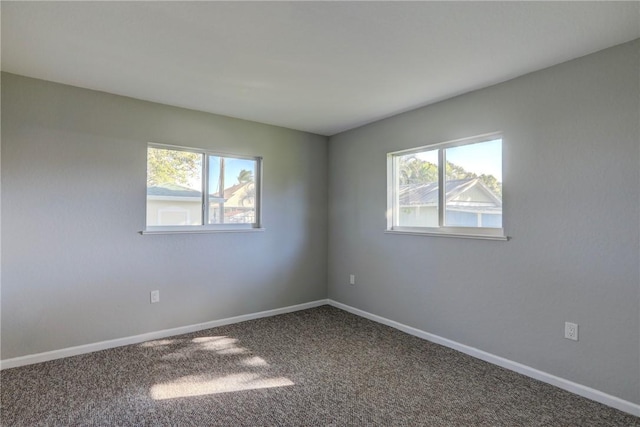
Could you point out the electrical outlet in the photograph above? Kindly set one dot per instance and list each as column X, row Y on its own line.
column 155, row 297
column 352, row 279
column 571, row 331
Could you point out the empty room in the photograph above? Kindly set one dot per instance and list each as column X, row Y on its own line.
column 320, row 213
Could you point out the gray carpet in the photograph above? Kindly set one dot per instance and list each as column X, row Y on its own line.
column 318, row 367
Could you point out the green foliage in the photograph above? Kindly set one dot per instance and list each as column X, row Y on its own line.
column 492, row 184
column 245, row 176
column 457, row 172
column 415, row 171
column 172, row 166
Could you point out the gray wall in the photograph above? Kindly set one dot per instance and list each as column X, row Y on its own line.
column 74, row 268
column 571, row 173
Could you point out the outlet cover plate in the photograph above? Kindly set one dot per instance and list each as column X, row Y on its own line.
column 571, row 331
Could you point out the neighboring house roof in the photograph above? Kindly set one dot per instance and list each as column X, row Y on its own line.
column 172, row 190
column 418, row 194
column 230, row 191
column 240, row 195
column 427, row 194
column 237, row 195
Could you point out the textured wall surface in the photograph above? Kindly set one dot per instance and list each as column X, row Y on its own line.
column 75, row 269
column 571, row 207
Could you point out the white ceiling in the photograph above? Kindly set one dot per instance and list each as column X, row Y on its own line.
column 321, row 67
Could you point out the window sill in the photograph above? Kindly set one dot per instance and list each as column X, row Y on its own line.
column 203, row 231
column 454, row 235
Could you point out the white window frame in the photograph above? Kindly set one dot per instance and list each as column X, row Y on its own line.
column 205, row 227
column 393, row 205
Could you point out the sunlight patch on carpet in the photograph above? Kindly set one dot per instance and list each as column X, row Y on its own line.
column 199, row 385
column 254, row 361
column 157, row 343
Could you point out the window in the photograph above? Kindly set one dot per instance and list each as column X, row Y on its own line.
column 453, row 188
column 191, row 190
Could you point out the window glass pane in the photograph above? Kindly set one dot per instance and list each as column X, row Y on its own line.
column 474, row 185
column 417, row 196
column 174, row 187
column 232, row 190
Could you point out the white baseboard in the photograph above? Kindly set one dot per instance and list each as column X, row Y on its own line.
column 579, row 389
column 136, row 339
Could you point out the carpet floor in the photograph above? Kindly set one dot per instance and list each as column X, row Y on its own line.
column 317, row 367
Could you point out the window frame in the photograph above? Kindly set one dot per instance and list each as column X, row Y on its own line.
column 205, row 227
column 393, row 180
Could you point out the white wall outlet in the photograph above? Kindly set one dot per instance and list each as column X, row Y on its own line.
column 571, row 331
column 352, row 279
column 155, row 297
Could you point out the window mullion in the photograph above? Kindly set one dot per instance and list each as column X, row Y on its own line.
column 205, row 190
column 395, row 194
column 442, row 196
